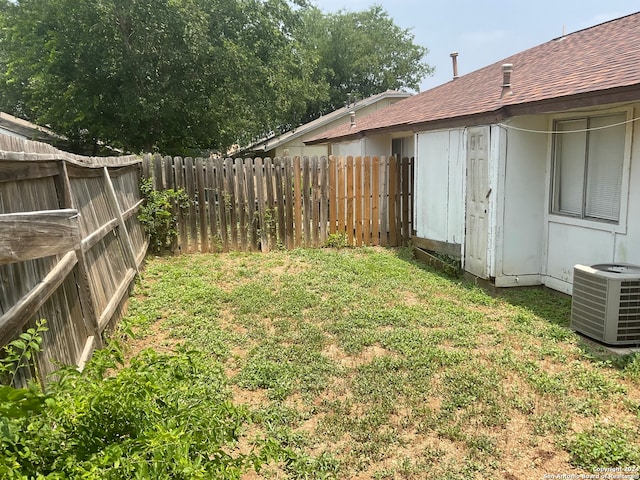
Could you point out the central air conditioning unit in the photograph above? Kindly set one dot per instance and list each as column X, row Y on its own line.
column 606, row 303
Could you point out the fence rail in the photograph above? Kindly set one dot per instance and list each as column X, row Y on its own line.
column 261, row 204
column 70, row 246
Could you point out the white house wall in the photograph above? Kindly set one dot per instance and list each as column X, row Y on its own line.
column 377, row 145
column 573, row 241
column 439, row 179
column 520, row 207
column 373, row 146
column 627, row 247
column 346, row 149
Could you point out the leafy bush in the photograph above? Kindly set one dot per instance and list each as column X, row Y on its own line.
column 163, row 416
column 337, row 240
column 158, row 217
column 604, row 446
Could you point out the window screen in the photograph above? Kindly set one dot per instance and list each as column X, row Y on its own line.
column 587, row 173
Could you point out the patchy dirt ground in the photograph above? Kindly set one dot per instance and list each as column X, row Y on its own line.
column 383, row 368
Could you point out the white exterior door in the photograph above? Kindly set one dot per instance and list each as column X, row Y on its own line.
column 477, row 202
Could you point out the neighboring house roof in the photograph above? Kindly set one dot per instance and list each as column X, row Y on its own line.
column 21, row 128
column 270, row 143
column 594, row 66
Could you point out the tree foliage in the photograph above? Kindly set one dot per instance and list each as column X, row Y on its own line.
column 362, row 54
column 171, row 75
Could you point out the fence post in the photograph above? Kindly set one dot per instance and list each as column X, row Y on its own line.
column 113, row 199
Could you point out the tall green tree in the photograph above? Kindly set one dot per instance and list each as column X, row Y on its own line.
column 155, row 74
column 363, row 53
column 173, row 75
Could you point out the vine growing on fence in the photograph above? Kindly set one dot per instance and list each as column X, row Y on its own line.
column 158, row 215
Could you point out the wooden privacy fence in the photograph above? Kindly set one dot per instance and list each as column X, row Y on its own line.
column 261, row 204
column 70, row 246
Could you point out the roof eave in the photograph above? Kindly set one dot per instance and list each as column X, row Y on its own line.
column 569, row 102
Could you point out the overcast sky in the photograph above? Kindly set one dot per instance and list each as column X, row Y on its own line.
column 486, row 31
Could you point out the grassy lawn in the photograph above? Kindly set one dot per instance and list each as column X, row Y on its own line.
column 374, row 366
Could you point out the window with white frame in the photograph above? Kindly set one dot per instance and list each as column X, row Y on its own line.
column 588, row 164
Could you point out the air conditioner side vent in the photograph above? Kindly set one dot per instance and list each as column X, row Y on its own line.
column 629, row 311
column 606, row 303
column 588, row 307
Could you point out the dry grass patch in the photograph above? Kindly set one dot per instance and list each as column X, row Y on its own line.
column 370, row 365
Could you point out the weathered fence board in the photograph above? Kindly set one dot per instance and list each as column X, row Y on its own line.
column 38, row 234
column 262, row 204
column 71, row 245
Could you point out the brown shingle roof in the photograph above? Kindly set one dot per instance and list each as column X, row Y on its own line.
column 591, row 61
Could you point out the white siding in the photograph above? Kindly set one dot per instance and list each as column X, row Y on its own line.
column 627, row 247
column 377, row 145
column 346, row 149
column 522, row 191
